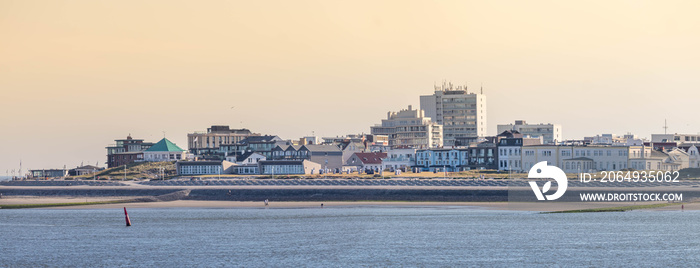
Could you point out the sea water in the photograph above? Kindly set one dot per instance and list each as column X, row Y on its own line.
column 376, row 236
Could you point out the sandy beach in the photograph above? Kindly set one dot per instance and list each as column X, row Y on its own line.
column 516, row 206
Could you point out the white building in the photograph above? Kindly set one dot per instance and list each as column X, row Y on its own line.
column 646, row 158
column 365, row 161
column 403, row 158
column 288, row 167
column 550, row 133
column 309, row 140
column 460, row 113
column 576, row 159
column 677, row 138
column 510, row 152
column 246, row 163
column 410, row 129
column 612, row 139
column 185, row 168
column 248, row 158
column 693, row 151
column 164, row 150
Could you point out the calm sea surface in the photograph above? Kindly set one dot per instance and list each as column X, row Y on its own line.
column 346, row 236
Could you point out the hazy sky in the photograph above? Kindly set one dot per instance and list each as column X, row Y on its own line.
column 75, row 75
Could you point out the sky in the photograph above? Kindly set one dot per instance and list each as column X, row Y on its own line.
column 76, row 75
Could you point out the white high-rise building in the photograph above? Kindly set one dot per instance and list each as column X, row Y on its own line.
column 461, row 114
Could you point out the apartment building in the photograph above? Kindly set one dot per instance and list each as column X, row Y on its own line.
column 410, row 128
column 461, row 114
column 126, row 151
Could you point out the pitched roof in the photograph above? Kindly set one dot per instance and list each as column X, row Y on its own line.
column 165, row 145
column 322, row 148
column 658, row 154
column 371, row 158
column 344, row 144
column 282, row 147
column 243, row 157
column 90, row 167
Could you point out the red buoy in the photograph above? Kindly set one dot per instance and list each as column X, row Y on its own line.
column 128, row 222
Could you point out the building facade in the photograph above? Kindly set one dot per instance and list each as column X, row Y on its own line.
column 84, row 170
column 612, row 139
column 126, row 151
column 288, row 167
column 410, row 128
column 510, row 151
column 647, row 158
column 460, row 113
column 550, row 133
column 577, row 158
column 365, row 161
column 677, row 138
column 693, row 151
column 206, row 144
column 259, row 144
column 483, row 155
column 187, row 168
column 330, row 157
column 48, row 173
column 443, row 159
column 400, row 158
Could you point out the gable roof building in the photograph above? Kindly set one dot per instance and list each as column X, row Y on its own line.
column 363, row 159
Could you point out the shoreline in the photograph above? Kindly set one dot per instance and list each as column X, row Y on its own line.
column 506, row 206
column 308, row 196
